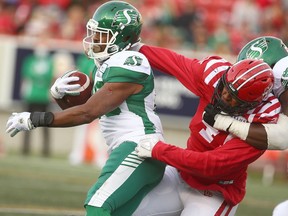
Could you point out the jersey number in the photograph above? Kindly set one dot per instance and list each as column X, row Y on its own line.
column 208, row 133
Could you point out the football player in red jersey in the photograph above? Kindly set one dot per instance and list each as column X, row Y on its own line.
column 210, row 174
column 273, row 51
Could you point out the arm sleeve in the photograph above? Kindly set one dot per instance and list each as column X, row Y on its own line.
column 182, row 68
column 232, row 156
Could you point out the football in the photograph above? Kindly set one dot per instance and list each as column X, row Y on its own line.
column 84, row 91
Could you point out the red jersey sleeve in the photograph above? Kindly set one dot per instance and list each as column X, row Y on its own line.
column 174, row 64
column 194, row 74
column 223, row 162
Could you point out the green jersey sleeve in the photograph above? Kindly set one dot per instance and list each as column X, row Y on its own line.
column 117, row 74
column 131, row 67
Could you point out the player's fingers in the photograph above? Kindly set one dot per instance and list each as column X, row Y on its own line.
column 73, row 93
column 8, row 123
column 70, row 79
column 9, row 129
column 14, row 132
column 72, row 87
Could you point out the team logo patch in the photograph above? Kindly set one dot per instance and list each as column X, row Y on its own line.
column 284, row 78
column 133, row 61
column 257, row 49
column 125, row 17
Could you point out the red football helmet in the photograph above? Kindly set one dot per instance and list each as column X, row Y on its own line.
column 248, row 81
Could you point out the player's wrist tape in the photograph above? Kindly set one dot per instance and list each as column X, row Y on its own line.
column 231, row 125
column 39, row 119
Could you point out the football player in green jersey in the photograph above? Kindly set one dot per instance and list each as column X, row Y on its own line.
column 123, row 99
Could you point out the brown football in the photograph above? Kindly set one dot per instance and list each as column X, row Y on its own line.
column 85, row 90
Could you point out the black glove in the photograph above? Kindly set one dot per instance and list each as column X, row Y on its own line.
column 209, row 114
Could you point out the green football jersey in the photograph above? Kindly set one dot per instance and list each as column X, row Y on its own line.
column 136, row 116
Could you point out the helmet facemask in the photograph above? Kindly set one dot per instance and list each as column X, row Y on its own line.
column 242, row 106
column 99, row 42
column 114, row 27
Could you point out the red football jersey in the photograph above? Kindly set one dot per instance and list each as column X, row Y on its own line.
column 213, row 160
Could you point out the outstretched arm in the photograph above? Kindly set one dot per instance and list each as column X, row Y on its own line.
column 109, row 97
column 234, row 155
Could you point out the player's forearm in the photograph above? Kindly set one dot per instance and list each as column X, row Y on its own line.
column 189, row 161
column 257, row 136
column 210, row 164
column 174, row 156
column 72, row 117
column 254, row 134
column 260, row 136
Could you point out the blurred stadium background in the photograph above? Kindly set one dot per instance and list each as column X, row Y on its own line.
column 54, row 185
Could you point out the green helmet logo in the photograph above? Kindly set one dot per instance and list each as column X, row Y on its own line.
column 257, row 49
column 284, row 78
column 268, row 48
column 124, row 18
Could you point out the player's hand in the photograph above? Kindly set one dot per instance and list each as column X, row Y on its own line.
column 61, row 87
column 19, row 122
column 217, row 119
column 145, row 146
column 210, row 114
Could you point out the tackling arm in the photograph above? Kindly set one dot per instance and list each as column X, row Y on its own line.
column 277, row 134
column 218, row 163
column 261, row 136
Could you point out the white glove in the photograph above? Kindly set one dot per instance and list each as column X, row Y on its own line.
column 61, row 87
column 19, row 122
column 145, row 147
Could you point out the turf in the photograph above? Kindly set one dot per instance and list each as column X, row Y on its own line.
column 37, row 186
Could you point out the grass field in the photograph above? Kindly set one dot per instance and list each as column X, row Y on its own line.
column 36, row 186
